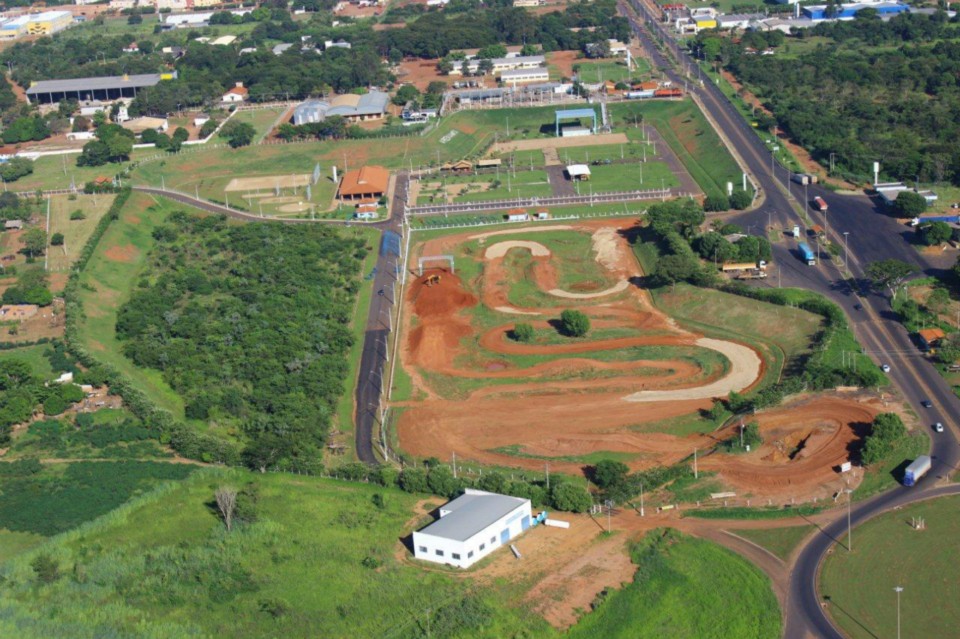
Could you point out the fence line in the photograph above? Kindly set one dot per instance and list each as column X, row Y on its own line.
column 553, row 200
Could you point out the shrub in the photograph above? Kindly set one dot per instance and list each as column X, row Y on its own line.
column 608, row 473
column 46, row 568
column 54, row 405
column 570, row 497
column 522, row 332
column 740, row 199
column 77, row 215
column 574, row 323
column 56, row 239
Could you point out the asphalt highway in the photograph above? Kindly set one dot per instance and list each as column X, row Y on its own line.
column 868, row 235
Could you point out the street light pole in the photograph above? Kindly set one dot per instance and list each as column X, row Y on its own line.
column 845, row 234
column 898, row 590
column 849, row 529
column 641, row 500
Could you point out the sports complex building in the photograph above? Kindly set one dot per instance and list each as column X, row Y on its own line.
column 105, row 88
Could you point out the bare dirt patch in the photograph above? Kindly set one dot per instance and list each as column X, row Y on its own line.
column 268, row 182
column 121, row 253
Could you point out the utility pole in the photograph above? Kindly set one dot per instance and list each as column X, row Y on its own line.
column 845, row 234
column 454, row 464
column 696, row 475
column 849, row 528
column 641, row 500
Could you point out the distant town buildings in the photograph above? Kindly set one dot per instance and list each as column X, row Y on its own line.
column 34, row 24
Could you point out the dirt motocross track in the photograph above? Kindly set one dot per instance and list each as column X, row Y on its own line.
column 574, row 403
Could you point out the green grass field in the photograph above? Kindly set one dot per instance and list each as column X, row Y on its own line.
column 628, row 177
column 34, row 356
column 782, row 333
column 686, row 587
column 261, row 119
column 75, row 232
column 322, row 557
column 596, row 72
column 106, row 284
column 779, row 541
column 57, row 172
column 888, row 552
column 632, row 150
column 489, row 186
column 689, row 135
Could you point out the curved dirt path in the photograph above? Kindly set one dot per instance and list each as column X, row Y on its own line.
column 745, row 369
column 622, row 285
column 498, row 250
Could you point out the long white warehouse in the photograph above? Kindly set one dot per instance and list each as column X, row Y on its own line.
column 471, row 527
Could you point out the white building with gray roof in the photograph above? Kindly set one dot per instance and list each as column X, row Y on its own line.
column 471, row 527
column 355, row 108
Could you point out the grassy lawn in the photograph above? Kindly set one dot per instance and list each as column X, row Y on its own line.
column 596, row 72
column 57, row 172
column 888, row 552
column 106, row 284
column 889, row 473
column 321, row 554
column 261, row 119
column 779, row 541
column 358, row 325
column 633, row 149
column 781, row 332
column 686, row 587
column 33, row 355
column 75, row 232
column 14, row 543
column 682, row 425
column 517, row 450
column 689, row 135
column 520, row 184
column 629, row 177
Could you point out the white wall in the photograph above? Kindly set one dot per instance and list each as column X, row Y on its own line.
column 489, row 538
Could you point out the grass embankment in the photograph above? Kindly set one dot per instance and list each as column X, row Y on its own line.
column 888, row 552
column 33, row 355
column 690, row 137
column 686, row 587
column 779, row 541
column 75, row 232
column 261, row 119
column 106, row 284
column 57, row 171
column 780, row 333
column 322, row 556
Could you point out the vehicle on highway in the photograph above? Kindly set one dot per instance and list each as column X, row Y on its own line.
column 820, row 203
column 858, row 307
column 926, row 403
column 885, row 368
column 938, row 427
column 808, row 255
column 917, row 469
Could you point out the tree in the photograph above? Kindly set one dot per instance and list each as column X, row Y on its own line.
column 16, row 168
column 569, row 497
column 208, row 128
column 54, row 405
column 485, row 66
column 887, row 429
column 574, row 323
column 608, row 473
column 406, row 93
column 226, row 498
column 675, row 268
column 237, row 133
column 936, row 233
column 34, row 241
column 890, row 274
column 909, row 204
column 56, row 239
column 95, row 153
column 522, row 332
column 413, row 480
column 46, row 568
column 440, row 480
column 120, row 147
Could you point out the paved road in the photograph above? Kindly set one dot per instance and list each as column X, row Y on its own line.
column 871, row 236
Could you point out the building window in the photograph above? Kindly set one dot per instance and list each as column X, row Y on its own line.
column 482, row 546
column 423, row 549
column 456, row 555
column 469, row 554
column 493, row 540
column 439, row 553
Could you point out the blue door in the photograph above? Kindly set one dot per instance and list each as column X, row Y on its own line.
column 525, row 522
column 504, row 535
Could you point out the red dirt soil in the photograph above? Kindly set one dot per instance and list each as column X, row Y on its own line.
column 554, row 410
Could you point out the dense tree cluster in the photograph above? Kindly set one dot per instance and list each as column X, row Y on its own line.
column 886, row 431
column 113, row 144
column 468, row 25
column 899, row 105
column 249, row 324
column 21, row 391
